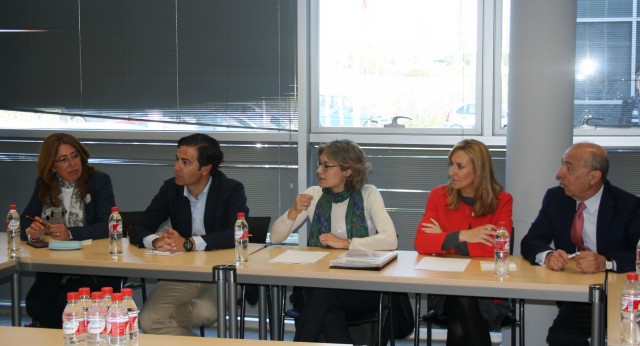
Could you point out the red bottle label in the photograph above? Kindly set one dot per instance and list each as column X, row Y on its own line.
column 630, row 305
column 118, row 328
column 74, row 327
column 501, row 245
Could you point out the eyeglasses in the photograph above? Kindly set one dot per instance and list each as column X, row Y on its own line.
column 324, row 165
column 66, row 160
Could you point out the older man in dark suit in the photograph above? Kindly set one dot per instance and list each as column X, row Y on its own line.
column 587, row 216
column 202, row 204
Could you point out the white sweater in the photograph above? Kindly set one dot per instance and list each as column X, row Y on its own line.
column 382, row 233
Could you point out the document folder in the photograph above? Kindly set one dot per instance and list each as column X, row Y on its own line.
column 360, row 259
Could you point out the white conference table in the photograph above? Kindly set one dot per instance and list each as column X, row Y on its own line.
column 9, row 267
column 53, row 337
column 527, row 282
column 94, row 259
column 614, row 302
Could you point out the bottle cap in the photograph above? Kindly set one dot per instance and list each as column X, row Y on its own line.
column 632, row 276
column 12, row 207
column 115, row 209
column 84, row 291
column 126, row 292
column 73, row 295
column 240, row 215
column 96, row 295
column 116, row 297
column 107, row 290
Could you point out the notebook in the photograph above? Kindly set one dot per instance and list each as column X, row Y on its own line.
column 360, row 259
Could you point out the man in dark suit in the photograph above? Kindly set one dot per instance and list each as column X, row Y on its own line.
column 609, row 228
column 202, row 205
column 630, row 105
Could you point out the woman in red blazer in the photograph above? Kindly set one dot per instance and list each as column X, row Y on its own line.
column 461, row 219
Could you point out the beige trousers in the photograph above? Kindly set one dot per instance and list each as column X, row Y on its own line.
column 177, row 307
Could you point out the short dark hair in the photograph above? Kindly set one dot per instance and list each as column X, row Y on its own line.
column 209, row 152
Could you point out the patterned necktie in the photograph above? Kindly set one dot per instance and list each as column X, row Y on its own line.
column 577, row 226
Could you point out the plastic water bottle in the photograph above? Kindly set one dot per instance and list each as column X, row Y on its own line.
column 242, row 239
column 107, row 292
column 73, row 323
column 132, row 310
column 84, row 300
column 13, row 232
column 117, row 322
column 501, row 251
column 638, row 257
column 630, row 316
column 96, row 321
column 115, row 232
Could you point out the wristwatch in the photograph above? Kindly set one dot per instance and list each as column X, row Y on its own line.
column 188, row 244
column 608, row 265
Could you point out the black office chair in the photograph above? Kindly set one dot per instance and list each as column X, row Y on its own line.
column 515, row 319
column 431, row 318
column 382, row 318
column 129, row 218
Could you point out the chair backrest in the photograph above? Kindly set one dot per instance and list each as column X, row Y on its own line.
column 129, row 218
column 258, row 228
column 511, row 240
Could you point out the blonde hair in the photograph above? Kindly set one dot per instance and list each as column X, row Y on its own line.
column 348, row 155
column 485, row 185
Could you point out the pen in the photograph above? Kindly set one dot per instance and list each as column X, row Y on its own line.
column 36, row 220
column 261, row 247
column 574, row 254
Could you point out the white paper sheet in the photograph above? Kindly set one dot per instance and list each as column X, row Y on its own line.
column 299, row 257
column 443, row 264
column 491, row 266
column 165, row 253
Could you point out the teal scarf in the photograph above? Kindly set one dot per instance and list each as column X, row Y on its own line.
column 356, row 221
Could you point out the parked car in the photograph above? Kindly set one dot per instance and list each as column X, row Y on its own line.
column 465, row 117
column 341, row 111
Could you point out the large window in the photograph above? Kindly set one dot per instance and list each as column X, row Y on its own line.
column 606, row 62
column 149, row 64
column 415, row 61
column 375, row 66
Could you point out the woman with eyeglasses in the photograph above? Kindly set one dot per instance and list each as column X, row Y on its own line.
column 460, row 219
column 71, row 201
column 345, row 213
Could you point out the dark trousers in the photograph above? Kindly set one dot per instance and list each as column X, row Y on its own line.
column 572, row 326
column 47, row 297
column 326, row 311
column 466, row 325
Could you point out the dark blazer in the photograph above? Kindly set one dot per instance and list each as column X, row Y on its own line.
column 617, row 229
column 98, row 202
column 626, row 110
column 225, row 199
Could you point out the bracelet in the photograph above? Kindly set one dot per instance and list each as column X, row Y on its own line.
column 28, row 235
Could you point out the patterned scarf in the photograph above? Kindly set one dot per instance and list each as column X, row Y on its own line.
column 356, row 221
column 56, row 215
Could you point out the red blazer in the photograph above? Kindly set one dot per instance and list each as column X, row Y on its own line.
column 461, row 218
